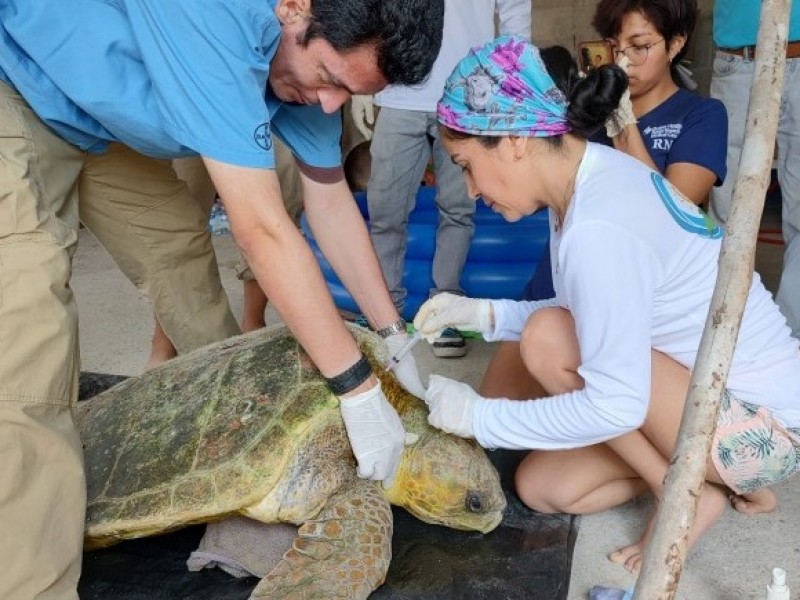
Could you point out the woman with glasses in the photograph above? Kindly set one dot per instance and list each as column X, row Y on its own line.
column 678, row 133
column 634, row 268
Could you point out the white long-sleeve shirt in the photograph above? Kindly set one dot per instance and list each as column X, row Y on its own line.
column 635, row 269
column 467, row 23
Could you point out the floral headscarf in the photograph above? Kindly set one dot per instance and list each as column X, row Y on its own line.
column 503, row 88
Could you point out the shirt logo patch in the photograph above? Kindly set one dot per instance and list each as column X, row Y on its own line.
column 263, row 137
column 686, row 214
column 663, row 135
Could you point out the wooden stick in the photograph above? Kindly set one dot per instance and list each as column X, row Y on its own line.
column 665, row 554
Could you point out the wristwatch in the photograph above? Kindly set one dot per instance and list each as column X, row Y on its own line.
column 398, row 326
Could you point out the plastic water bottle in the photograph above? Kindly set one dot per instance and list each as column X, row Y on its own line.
column 778, row 590
column 218, row 222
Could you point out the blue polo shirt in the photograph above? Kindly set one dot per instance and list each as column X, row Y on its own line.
column 168, row 78
column 736, row 22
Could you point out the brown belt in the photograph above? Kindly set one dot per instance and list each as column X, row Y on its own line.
column 749, row 52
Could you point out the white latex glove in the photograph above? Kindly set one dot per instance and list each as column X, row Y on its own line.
column 376, row 434
column 406, row 371
column 621, row 117
column 450, row 310
column 362, row 112
column 451, row 404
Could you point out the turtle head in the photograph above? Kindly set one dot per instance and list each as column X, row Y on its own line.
column 447, row 480
column 442, row 479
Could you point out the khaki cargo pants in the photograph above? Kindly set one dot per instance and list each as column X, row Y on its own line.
column 42, row 488
column 156, row 231
column 155, row 227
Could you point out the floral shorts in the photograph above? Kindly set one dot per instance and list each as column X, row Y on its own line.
column 751, row 449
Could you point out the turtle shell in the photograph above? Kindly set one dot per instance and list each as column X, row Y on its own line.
column 205, row 435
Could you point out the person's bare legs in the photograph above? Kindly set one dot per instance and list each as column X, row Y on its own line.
column 577, row 481
column 638, row 452
column 255, row 303
column 647, row 451
column 598, row 477
column 161, row 348
column 506, row 376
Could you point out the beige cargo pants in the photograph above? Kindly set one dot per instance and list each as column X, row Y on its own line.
column 42, row 488
column 155, row 227
column 157, row 232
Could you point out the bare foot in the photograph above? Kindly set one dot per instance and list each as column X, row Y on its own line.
column 754, row 503
column 630, row 557
column 711, row 506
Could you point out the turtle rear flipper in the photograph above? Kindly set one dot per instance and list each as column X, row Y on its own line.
column 343, row 553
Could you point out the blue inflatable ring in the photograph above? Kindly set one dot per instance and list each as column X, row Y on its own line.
column 501, row 259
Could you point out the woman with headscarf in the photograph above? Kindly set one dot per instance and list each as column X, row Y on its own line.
column 634, row 267
column 680, row 134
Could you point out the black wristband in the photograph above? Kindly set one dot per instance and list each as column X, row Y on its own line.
column 350, row 379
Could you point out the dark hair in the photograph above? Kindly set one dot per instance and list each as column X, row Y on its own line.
column 671, row 18
column 592, row 99
column 561, row 66
column 406, row 33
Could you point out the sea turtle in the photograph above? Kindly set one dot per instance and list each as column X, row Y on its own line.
column 248, row 426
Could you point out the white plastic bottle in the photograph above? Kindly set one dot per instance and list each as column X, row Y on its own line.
column 778, row 590
column 218, row 222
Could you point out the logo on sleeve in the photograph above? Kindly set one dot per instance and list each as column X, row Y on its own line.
column 263, row 136
column 661, row 137
column 687, row 215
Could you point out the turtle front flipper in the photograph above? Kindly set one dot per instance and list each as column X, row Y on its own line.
column 343, row 553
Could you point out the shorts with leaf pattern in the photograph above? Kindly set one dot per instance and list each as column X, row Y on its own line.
column 751, row 449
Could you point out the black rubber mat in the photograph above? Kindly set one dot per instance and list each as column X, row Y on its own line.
column 527, row 557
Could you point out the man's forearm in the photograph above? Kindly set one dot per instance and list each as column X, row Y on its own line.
column 284, row 265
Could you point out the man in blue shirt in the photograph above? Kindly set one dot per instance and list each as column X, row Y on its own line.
column 106, row 90
column 735, row 31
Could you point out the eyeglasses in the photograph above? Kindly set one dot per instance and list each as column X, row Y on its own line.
column 636, row 53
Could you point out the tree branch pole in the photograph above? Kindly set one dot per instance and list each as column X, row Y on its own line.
column 665, row 554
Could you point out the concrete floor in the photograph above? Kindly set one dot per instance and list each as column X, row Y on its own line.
column 732, row 562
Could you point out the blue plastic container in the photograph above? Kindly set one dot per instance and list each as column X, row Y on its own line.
column 501, row 259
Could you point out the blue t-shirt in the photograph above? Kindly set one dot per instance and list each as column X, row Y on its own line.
column 736, row 22
column 684, row 128
column 687, row 128
column 167, row 78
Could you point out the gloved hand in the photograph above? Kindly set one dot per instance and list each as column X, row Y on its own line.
column 451, row 404
column 406, row 371
column 450, row 310
column 376, row 434
column 362, row 112
column 623, row 115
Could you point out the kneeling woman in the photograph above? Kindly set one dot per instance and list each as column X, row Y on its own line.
column 634, row 266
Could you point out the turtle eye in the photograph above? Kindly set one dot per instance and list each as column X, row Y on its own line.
column 474, row 502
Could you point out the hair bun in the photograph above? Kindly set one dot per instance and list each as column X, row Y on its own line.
column 595, row 98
